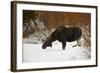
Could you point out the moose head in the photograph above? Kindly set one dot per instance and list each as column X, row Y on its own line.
column 47, row 43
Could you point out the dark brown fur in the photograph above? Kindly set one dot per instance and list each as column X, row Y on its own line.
column 63, row 35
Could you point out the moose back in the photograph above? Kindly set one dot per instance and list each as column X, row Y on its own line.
column 63, row 35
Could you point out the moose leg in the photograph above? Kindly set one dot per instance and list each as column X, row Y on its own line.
column 78, row 42
column 63, row 45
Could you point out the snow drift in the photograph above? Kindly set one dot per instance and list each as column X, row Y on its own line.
column 35, row 53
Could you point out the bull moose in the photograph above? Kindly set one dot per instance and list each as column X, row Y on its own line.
column 63, row 35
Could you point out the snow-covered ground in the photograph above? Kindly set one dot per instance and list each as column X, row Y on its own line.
column 35, row 53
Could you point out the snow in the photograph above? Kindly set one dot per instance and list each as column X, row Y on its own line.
column 35, row 53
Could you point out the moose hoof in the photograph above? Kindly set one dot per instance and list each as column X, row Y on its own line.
column 79, row 45
column 63, row 48
column 43, row 48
